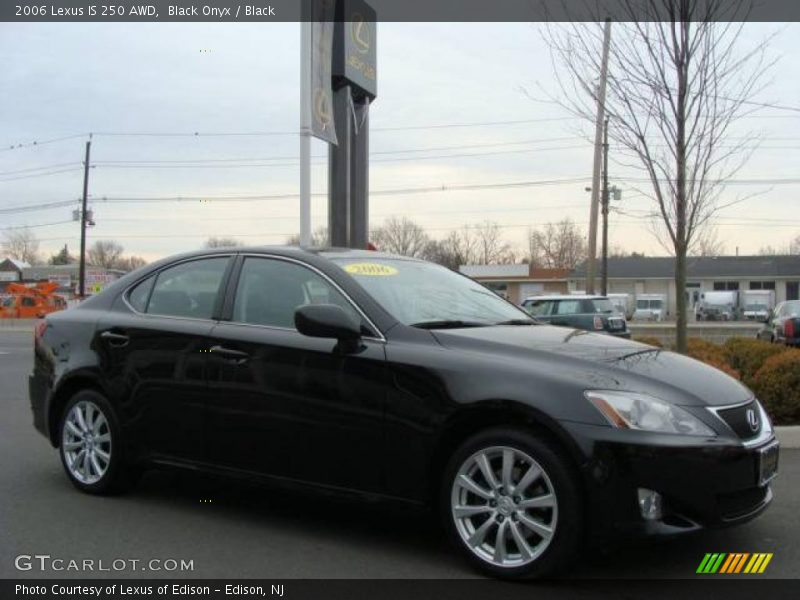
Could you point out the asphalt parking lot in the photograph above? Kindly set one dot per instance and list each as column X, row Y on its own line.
column 232, row 531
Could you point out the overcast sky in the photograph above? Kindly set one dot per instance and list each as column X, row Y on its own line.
column 68, row 79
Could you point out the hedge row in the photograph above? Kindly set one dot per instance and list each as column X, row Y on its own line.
column 772, row 371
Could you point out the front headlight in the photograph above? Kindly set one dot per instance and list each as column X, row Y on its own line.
column 632, row 410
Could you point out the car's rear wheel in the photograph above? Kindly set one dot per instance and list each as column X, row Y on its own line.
column 90, row 445
column 512, row 505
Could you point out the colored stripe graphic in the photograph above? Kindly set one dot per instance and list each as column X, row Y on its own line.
column 711, row 563
column 722, row 563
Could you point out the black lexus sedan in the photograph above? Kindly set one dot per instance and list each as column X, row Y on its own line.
column 382, row 377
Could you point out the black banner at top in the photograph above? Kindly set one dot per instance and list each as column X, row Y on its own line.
column 120, row 11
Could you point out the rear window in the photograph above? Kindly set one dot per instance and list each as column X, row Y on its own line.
column 599, row 306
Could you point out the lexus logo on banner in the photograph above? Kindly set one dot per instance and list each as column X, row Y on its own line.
column 321, row 15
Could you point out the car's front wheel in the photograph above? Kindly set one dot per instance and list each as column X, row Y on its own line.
column 90, row 445
column 512, row 505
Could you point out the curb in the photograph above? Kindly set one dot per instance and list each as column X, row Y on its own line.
column 788, row 436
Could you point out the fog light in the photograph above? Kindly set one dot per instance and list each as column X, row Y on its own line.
column 650, row 504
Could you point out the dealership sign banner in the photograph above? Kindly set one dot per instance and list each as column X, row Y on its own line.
column 320, row 92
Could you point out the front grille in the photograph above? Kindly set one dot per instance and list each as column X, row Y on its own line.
column 742, row 418
column 738, row 504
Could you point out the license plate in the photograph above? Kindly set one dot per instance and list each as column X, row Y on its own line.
column 767, row 463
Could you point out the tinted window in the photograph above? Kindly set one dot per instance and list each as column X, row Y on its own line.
column 568, row 307
column 189, row 289
column 600, row 305
column 269, row 291
column 139, row 295
column 26, row 301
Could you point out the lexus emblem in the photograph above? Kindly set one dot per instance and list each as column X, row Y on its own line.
column 752, row 419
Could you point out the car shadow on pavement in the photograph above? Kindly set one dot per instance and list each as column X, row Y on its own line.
column 414, row 533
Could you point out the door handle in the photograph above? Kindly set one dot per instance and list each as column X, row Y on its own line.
column 236, row 356
column 118, row 340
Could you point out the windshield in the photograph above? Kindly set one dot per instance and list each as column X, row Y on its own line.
column 419, row 292
column 652, row 304
column 792, row 308
column 756, row 307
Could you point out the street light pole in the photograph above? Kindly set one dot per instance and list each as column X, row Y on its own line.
column 82, row 264
column 604, row 283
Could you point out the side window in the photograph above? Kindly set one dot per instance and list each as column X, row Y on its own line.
column 189, row 289
column 141, row 293
column 270, row 290
column 568, row 307
column 27, row 301
column 539, row 308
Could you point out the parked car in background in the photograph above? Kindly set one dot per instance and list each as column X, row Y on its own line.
column 717, row 306
column 757, row 304
column 650, row 307
column 782, row 326
column 591, row 313
column 381, row 377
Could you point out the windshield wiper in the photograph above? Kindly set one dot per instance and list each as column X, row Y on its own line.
column 447, row 324
column 518, row 322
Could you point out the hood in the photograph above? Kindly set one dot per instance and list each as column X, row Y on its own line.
column 624, row 364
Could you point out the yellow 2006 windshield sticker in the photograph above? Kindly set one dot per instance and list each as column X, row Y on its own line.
column 370, row 269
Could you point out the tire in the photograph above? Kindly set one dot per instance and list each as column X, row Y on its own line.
column 89, row 427
column 551, row 529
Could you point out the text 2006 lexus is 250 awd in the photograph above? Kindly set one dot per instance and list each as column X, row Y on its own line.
column 384, row 377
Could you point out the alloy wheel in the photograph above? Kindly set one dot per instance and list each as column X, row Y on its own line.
column 504, row 506
column 86, row 442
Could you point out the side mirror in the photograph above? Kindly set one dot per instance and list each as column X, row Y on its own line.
column 326, row 321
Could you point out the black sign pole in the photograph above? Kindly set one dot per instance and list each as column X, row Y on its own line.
column 359, row 179
column 339, row 170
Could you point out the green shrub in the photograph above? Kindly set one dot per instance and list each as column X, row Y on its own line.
column 711, row 354
column 649, row 340
column 777, row 386
column 747, row 355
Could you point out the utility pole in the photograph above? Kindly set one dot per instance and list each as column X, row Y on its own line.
column 82, row 268
column 606, row 199
column 598, row 133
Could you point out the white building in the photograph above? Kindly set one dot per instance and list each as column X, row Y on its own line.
column 655, row 275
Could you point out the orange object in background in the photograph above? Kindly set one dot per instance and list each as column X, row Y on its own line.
column 23, row 302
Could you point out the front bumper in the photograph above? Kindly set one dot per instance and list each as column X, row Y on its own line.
column 703, row 483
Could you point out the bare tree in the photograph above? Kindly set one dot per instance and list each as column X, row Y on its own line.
column 491, row 248
column 130, row 263
column 707, row 243
column 458, row 248
column 401, row 235
column 319, row 238
column 557, row 246
column 677, row 83
column 105, row 253
column 222, row 242
column 21, row 244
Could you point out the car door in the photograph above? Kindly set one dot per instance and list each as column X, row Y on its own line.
column 152, row 349
column 286, row 405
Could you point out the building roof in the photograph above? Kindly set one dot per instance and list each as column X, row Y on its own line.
column 516, row 272
column 9, row 263
column 707, row 267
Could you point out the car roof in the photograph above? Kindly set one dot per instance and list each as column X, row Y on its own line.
column 329, row 252
column 567, row 297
